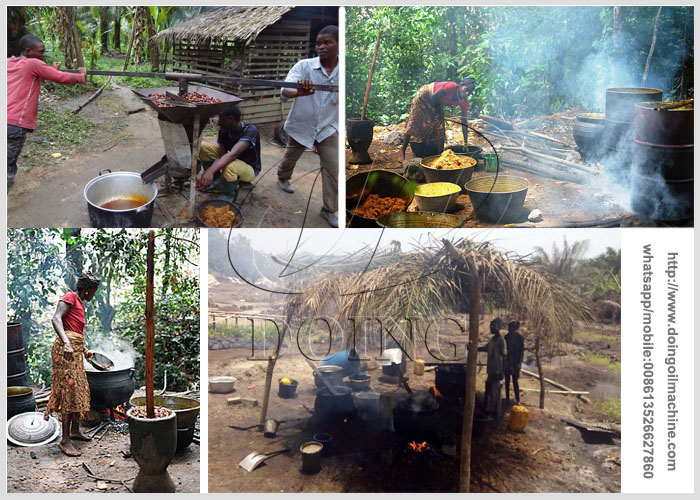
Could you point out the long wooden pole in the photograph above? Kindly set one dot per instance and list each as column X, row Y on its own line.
column 195, row 156
column 470, row 393
column 371, row 72
column 150, row 326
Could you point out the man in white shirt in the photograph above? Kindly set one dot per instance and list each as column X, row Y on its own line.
column 313, row 120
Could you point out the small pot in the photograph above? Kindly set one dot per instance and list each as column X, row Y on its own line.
column 311, row 457
column 332, row 373
column 153, row 446
column 325, row 439
column 497, row 198
column 270, row 428
column 360, row 134
column 360, row 384
column 20, row 400
column 287, row 391
column 109, row 186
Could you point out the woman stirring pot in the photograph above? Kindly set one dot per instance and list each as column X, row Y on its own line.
column 70, row 393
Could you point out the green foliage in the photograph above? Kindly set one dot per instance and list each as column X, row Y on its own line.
column 592, row 357
column 526, row 60
column 610, row 407
column 177, row 331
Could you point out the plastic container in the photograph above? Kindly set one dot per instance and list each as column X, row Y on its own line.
column 419, row 367
column 348, row 360
column 490, row 162
column 311, row 457
column 518, row 418
column 287, row 391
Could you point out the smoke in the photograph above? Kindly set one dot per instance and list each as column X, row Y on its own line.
column 122, row 354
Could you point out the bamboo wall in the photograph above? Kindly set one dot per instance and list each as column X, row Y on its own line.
column 270, row 56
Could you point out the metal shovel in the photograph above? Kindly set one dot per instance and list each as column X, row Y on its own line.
column 252, row 461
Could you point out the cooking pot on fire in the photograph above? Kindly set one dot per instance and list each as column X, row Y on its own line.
column 109, row 388
column 120, row 199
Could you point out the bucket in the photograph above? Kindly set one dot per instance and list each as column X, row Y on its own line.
column 490, row 162
column 287, row 391
column 419, row 367
column 325, row 439
column 311, row 457
column 518, row 418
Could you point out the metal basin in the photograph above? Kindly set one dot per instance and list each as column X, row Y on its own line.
column 115, row 186
column 437, row 196
column 497, row 198
column 379, row 182
column 454, row 175
column 420, row 219
column 186, row 409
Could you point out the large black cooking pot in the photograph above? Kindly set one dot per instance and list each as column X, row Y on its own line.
column 110, row 388
column 417, row 418
column 451, row 379
column 109, row 186
column 329, row 406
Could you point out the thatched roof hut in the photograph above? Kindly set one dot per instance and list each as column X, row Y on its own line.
column 446, row 274
column 248, row 42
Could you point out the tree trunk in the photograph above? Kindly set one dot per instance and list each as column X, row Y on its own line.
column 452, row 43
column 152, row 45
column 616, row 54
column 74, row 257
column 470, row 394
column 538, row 360
column 651, row 49
column 117, row 37
column 16, row 29
column 76, row 40
column 104, row 30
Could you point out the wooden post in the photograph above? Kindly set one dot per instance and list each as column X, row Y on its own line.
column 470, row 394
column 150, row 326
column 268, row 375
column 371, row 72
column 538, row 360
column 195, row 156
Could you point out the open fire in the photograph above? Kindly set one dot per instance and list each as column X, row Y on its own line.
column 419, row 447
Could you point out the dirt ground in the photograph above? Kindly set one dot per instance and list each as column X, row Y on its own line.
column 47, row 469
column 550, row 456
column 563, row 204
column 51, row 195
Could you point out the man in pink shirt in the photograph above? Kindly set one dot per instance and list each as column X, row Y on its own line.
column 24, row 77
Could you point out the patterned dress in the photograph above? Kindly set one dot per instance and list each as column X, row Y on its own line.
column 70, row 392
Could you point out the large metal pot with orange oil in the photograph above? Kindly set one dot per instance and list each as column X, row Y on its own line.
column 120, row 199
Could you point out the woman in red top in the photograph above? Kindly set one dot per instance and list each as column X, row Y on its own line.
column 70, row 393
column 426, row 121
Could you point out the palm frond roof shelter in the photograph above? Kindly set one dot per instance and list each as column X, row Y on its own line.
column 248, row 42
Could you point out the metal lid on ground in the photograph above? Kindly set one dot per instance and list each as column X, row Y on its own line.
column 30, row 429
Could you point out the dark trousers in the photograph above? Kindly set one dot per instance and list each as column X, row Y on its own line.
column 15, row 143
column 515, row 374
